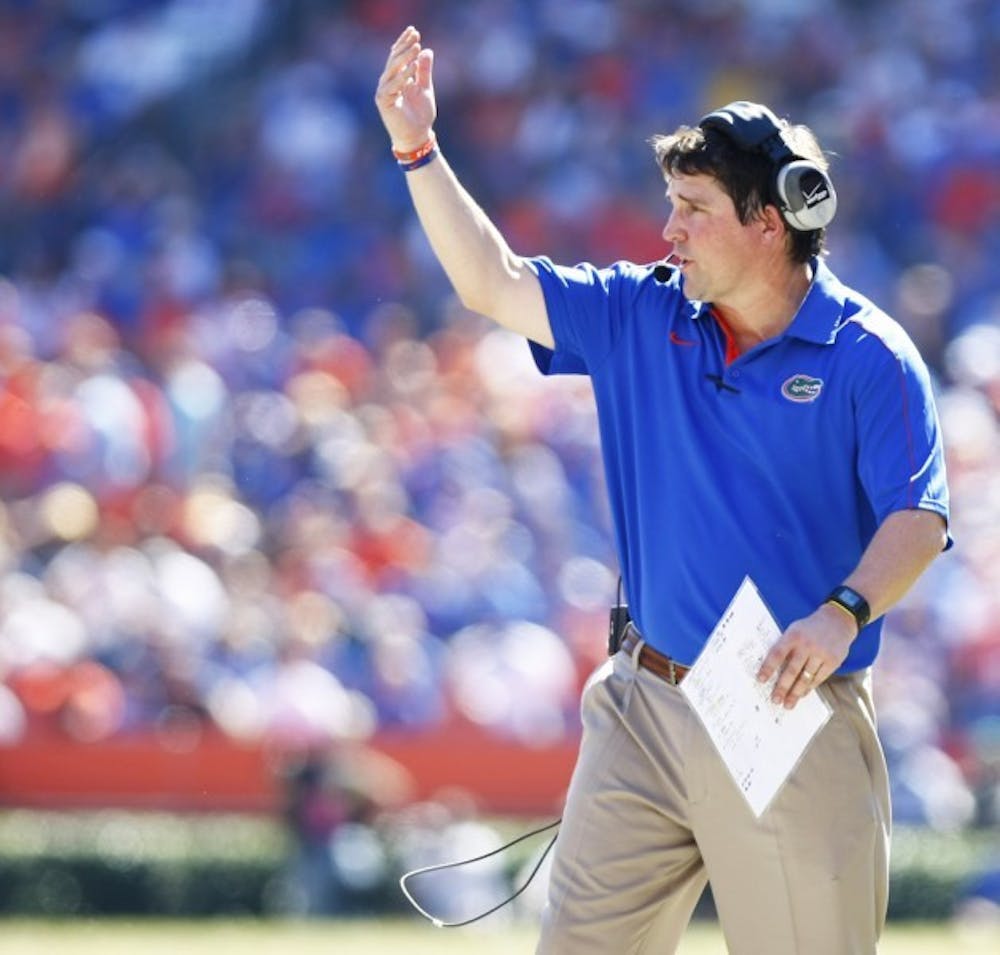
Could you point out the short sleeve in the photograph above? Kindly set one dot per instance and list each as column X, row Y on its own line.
column 901, row 457
column 585, row 311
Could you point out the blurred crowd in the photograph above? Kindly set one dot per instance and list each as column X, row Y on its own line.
column 258, row 467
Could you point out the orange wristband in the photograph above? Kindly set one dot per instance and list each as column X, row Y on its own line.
column 413, row 155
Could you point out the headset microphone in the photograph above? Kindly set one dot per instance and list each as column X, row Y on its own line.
column 663, row 271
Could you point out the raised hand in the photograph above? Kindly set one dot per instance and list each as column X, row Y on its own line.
column 405, row 93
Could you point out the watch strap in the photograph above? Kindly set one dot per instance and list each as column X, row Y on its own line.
column 849, row 600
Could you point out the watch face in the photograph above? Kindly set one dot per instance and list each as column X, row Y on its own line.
column 851, row 600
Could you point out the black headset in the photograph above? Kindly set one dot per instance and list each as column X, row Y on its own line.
column 803, row 191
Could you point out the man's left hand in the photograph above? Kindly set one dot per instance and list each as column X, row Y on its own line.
column 808, row 652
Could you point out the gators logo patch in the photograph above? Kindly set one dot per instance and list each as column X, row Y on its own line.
column 802, row 388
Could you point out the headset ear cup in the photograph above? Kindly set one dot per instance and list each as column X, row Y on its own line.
column 807, row 196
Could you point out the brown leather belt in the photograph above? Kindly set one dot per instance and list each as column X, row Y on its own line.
column 653, row 660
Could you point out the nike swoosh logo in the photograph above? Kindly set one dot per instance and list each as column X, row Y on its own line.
column 676, row 339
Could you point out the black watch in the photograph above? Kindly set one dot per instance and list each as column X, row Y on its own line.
column 852, row 602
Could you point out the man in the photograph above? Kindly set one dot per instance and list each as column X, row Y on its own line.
column 757, row 418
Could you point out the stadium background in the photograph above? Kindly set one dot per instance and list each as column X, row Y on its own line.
column 285, row 531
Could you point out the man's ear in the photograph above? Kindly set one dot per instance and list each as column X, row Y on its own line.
column 772, row 222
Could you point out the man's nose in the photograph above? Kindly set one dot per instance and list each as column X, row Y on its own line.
column 670, row 229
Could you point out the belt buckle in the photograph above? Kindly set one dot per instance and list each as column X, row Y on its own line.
column 672, row 670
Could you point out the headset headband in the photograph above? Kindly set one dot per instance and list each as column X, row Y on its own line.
column 804, row 191
column 752, row 127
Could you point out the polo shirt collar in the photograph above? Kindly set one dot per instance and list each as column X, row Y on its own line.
column 821, row 313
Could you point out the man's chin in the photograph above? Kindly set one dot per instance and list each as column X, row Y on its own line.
column 691, row 288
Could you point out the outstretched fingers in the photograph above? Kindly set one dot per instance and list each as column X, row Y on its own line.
column 400, row 69
column 407, row 39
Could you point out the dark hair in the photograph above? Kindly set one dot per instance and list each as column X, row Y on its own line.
column 747, row 177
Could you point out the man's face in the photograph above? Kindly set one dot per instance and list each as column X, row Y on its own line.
column 714, row 249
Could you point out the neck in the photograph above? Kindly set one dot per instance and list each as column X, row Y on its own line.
column 767, row 307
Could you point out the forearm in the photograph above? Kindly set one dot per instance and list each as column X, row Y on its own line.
column 486, row 274
column 901, row 550
column 488, row 277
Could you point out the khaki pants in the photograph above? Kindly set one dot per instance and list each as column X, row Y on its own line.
column 652, row 815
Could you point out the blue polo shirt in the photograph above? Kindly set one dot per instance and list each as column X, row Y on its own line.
column 780, row 464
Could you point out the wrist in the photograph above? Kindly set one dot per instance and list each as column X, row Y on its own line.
column 849, row 603
column 426, row 152
column 411, row 151
column 844, row 617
